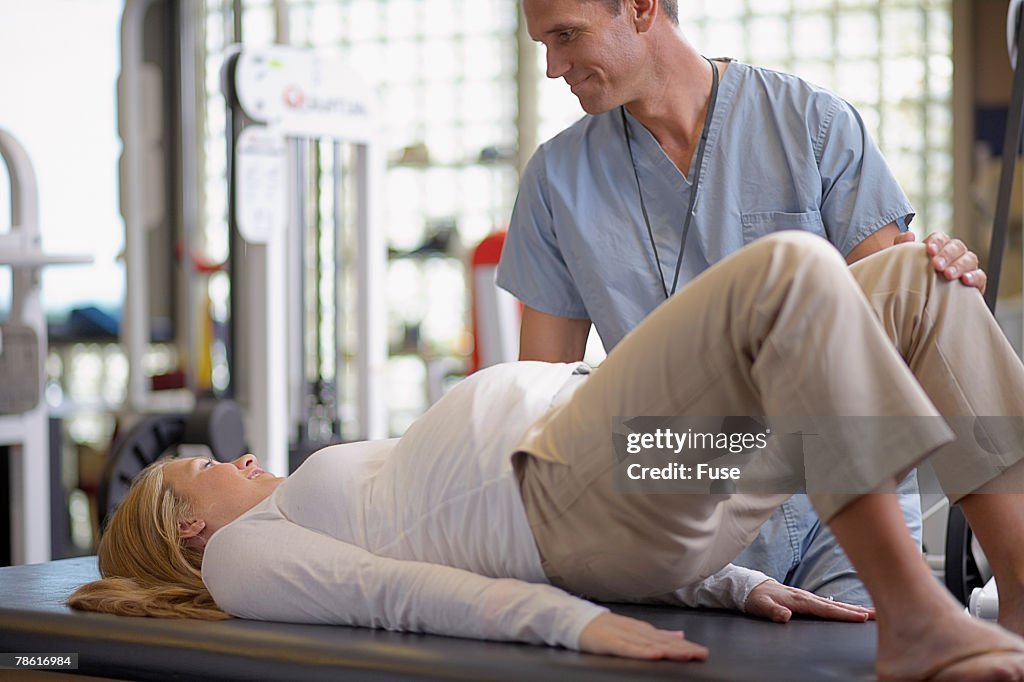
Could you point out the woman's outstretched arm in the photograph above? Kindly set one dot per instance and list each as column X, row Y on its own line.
column 282, row 571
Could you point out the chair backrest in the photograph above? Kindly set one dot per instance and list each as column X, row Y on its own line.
column 496, row 313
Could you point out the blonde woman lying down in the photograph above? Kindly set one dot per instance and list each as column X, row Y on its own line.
column 496, row 515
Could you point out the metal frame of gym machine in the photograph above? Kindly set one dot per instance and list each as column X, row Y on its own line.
column 266, row 339
column 283, row 101
column 24, row 426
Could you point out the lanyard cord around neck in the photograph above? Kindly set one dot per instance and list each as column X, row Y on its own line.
column 693, row 190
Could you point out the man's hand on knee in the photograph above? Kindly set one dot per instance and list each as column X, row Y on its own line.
column 951, row 258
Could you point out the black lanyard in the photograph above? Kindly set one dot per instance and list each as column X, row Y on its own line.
column 693, row 190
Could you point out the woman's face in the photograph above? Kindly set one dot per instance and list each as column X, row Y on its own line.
column 220, row 492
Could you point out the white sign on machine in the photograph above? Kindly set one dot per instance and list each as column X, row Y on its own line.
column 294, row 95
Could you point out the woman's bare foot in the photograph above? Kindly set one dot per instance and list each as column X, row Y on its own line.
column 947, row 644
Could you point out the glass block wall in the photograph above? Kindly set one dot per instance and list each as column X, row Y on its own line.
column 445, row 72
column 892, row 59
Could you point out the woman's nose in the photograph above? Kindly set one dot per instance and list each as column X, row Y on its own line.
column 245, row 462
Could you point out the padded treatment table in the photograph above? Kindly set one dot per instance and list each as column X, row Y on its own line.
column 33, row 618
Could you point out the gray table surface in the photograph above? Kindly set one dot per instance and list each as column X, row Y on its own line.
column 33, row 617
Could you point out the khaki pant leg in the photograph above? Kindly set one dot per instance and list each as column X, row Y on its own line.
column 778, row 328
column 960, row 357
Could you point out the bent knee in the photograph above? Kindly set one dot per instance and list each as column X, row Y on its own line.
column 903, row 267
column 799, row 257
column 798, row 246
column 908, row 255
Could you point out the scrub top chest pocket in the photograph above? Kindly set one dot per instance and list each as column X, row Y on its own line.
column 760, row 223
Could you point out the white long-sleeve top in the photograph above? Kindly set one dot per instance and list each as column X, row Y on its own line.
column 426, row 533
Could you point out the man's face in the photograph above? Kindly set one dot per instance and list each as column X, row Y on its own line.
column 595, row 51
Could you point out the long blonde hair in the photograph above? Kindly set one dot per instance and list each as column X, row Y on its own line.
column 147, row 569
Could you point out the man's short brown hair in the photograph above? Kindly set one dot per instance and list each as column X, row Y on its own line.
column 669, row 7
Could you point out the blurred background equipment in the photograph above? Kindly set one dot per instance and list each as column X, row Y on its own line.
column 462, row 104
column 23, row 415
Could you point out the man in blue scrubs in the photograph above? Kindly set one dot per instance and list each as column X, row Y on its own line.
column 681, row 161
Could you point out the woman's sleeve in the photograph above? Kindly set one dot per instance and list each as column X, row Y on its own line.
column 727, row 589
column 285, row 572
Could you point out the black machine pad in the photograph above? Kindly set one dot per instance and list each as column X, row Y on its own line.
column 33, row 618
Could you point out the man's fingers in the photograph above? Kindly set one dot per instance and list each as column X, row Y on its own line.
column 957, row 265
column 950, row 254
column 954, row 260
column 977, row 279
column 934, row 242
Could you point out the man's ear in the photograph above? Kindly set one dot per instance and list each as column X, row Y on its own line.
column 644, row 13
column 190, row 528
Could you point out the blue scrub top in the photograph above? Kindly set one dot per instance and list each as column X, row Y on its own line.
column 781, row 154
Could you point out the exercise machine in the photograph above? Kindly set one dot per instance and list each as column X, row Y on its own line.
column 290, row 108
column 301, row 136
column 23, row 346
